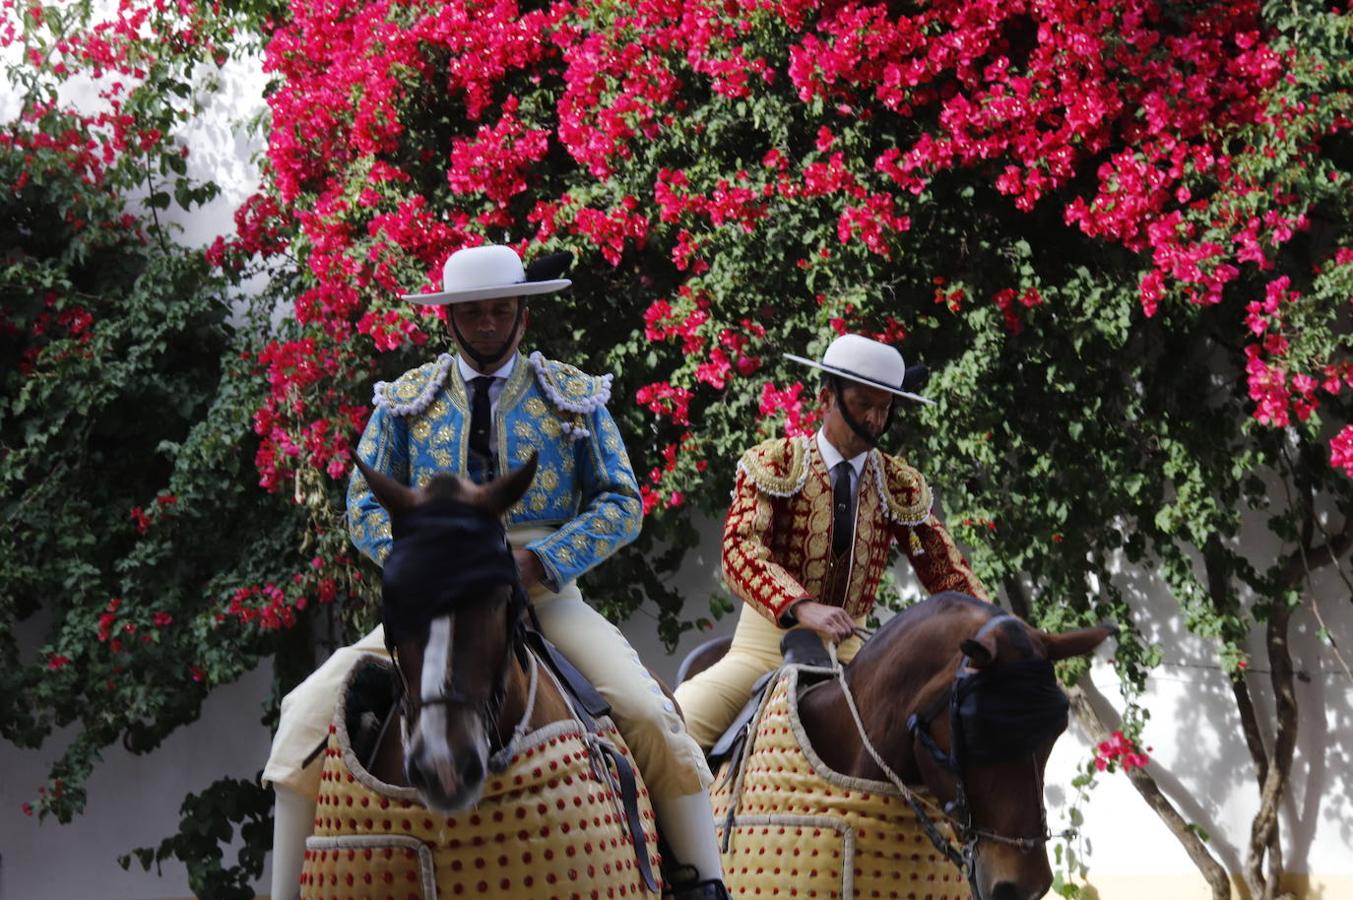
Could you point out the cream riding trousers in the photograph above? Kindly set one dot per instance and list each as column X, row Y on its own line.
column 671, row 763
column 711, row 699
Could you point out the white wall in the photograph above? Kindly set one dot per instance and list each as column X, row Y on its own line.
column 133, row 801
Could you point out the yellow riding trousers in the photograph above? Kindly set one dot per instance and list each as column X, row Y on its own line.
column 711, row 699
column 671, row 763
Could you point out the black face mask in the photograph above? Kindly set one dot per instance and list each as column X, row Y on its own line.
column 446, row 555
column 1005, row 712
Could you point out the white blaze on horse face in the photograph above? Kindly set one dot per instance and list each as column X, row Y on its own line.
column 430, row 752
column 429, row 749
column 432, row 719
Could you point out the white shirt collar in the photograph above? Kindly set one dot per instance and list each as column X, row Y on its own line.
column 503, row 371
column 831, row 456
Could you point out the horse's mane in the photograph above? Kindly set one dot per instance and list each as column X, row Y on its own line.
column 918, row 616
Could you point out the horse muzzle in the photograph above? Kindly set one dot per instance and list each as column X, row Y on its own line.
column 449, row 778
column 1010, row 873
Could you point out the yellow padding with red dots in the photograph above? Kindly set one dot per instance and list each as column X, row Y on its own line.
column 547, row 827
column 802, row 830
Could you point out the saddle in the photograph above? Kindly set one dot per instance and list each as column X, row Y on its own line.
column 799, row 646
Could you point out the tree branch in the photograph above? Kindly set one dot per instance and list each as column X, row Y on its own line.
column 1213, row 871
column 1218, row 587
column 1304, row 561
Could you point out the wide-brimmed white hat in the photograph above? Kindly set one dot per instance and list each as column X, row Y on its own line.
column 865, row 361
column 485, row 273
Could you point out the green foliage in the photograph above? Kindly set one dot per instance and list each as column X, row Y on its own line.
column 209, row 823
column 130, row 514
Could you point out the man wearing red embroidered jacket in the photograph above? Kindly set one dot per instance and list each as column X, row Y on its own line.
column 811, row 526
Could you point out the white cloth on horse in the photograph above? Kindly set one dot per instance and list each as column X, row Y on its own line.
column 671, row 762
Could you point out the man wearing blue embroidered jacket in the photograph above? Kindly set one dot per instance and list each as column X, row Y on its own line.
column 480, row 414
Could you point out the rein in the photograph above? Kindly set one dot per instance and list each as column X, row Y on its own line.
column 963, row 858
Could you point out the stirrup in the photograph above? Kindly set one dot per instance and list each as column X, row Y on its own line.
column 707, row 889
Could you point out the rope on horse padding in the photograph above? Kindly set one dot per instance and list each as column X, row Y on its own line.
column 791, row 822
column 942, row 844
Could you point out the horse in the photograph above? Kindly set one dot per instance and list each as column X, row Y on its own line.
column 494, row 778
column 953, row 697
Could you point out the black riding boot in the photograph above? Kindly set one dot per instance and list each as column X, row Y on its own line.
column 708, row 889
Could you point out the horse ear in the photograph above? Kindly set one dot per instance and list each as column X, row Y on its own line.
column 1076, row 643
column 981, row 651
column 392, row 495
column 499, row 495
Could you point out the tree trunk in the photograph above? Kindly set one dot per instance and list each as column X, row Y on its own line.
column 1095, row 728
column 1218, row 566
column 1213, row 871
column 1264, row 834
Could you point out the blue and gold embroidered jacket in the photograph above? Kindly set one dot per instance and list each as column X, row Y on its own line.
column 584, row 485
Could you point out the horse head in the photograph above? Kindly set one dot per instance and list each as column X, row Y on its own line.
column 982, row 710
column 452, row 605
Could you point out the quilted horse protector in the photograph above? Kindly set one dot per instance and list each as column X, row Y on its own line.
column 799, row 829
column 550, row 825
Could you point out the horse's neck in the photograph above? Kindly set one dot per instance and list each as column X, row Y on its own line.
column 831, row 729
column 885, row 696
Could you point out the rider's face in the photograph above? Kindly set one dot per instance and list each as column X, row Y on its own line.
column 485, row 325
column 867, row 405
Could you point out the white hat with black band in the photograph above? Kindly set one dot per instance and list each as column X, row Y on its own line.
column 864, row 361
column 486, row 273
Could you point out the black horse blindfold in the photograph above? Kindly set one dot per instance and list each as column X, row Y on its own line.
column 445, row 555
column 1006, row 711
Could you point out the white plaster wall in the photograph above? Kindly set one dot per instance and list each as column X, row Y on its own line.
column 133, row 801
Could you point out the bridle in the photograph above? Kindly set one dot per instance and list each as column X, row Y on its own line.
column 490, row 707
column 419, row 587
column 957, row 812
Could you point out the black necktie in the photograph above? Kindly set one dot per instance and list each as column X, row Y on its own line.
column 843, row 523
column 480, row 420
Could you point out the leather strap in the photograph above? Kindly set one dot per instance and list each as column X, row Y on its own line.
column 629, row 794
column 589, row 705
column 582, row 690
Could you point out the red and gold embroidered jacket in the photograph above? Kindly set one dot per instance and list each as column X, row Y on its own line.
column 777, row 538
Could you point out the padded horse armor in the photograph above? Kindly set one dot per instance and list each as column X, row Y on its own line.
column 550, row 824
column 788, row 822
column 799, row 647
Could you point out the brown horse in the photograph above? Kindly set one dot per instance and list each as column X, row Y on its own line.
column 955, row 696
column 490, row 752
column 465, row 683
